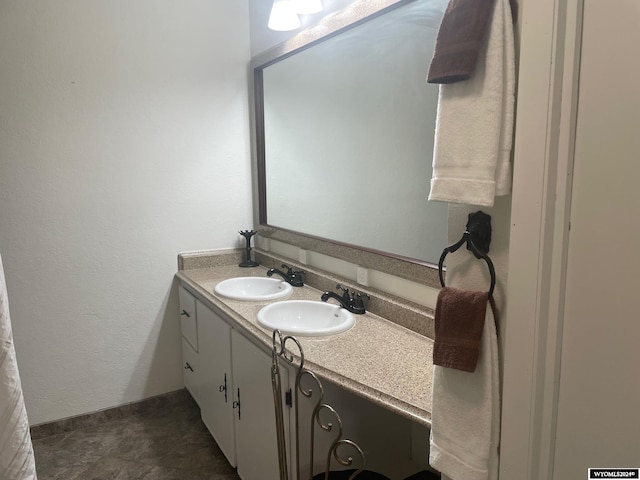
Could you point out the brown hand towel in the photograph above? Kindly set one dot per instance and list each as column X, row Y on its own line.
column 459, row 323
column 459, row 41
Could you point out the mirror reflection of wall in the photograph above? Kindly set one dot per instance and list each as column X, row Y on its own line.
column 349, row 127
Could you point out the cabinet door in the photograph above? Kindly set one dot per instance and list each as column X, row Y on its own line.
column 188, row 323
column 256, row 443
column 214, row 336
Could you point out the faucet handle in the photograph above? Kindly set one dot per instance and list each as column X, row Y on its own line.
column 361, row 299
column 291, row 271
column 294, row 277
column 345, row 291
column 298, row 273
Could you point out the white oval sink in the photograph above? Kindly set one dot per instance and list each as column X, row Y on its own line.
column 253, row 288
column 306, row 318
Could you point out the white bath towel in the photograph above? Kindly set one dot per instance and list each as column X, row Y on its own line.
column 16, row 451
column 474, row 125
column 465, row 416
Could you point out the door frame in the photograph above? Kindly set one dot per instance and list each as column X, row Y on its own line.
column 550, row 40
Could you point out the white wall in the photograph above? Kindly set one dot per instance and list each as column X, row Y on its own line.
column 124, row 139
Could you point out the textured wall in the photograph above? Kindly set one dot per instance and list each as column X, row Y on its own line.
column 124, row 139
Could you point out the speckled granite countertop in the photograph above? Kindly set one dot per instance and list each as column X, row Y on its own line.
column 376, row 359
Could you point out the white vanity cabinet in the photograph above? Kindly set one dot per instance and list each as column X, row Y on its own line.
column 230, row 379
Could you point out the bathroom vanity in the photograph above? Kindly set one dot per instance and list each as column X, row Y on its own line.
column 377, row 374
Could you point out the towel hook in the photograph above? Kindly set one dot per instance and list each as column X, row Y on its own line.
column 477, row 236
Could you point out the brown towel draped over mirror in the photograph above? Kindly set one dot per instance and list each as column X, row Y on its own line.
column 460, row 38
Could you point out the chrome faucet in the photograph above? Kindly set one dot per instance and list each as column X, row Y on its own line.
column 350, row 300
column 293, row 277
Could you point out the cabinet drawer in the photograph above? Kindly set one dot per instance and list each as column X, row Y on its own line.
column 188, row 320
column 191, row 370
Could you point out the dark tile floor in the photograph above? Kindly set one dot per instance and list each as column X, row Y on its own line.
column 170, row 443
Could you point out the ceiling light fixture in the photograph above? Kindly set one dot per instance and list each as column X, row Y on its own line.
column 283, row 16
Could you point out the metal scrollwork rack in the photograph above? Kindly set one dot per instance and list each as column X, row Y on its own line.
column 323, row 416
